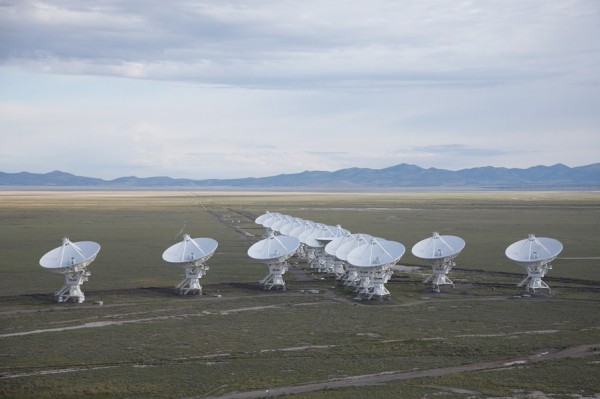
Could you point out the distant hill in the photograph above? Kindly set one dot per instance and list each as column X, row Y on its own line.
column 400, row 176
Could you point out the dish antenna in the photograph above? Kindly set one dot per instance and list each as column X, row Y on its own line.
column 261, row 219
column 317, row 240
column 309, row 231
column 274, row 251
column 439, row 251
column 324, row 235
column 288, row 227
column 338, row 266
column 71, row 260
column 191, row 254
column 297, row 232
column 301, row 228
column 374, row 261
column 534, row 254
column 355, row 241
column 268, row 222
column 351, row 277
column 279, row 223
column 310, row 252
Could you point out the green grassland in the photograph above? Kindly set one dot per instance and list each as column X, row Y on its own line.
column 147, row 341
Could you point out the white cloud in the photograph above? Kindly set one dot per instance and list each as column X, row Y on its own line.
column 221, row 89
column 314, row 44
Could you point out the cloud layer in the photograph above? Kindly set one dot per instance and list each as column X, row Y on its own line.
column 234, row 89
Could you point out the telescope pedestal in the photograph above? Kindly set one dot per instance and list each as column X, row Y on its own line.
column 439, row 275
column 275, row 276
column 72, row 287
column 191, row 282
column 379, row 289
column 535, row 273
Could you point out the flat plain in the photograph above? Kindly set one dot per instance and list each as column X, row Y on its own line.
column 481, row 339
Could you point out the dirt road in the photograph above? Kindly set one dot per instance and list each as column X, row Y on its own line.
column 372, row 379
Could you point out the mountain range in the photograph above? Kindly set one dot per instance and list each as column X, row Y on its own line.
column 402, row 176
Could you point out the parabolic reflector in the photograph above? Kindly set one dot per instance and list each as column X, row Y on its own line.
column 288, row 227
column 268, row 222
column 71, row 260
column 309, row 231
column 376, row 253
column 334, row 244
column 280, row 223
column 274, row 248
column 319, row 236
column 438, row 247
column 534, row 250
column 190, row 250
column 261, row 219
column 70, row 255
column 297, row 231
column 338, row 232
column 355, row 241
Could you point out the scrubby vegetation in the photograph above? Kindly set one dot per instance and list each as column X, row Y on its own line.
column 147, row 341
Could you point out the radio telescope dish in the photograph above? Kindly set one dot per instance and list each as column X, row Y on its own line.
column 314, row 247
column 351, row 277
column 71, row 259
column 534, row 254
column 355, row 241
column 334, row 244
column 317, row 240
column 303, row 237
column 191, row 254
column 339, row 267
column 301, row 228
column 274, row 251
column 274, row 248
column 439, row 251
column 288, row 227
column 297, row 232
column 377, row 253
column 321, row 238
column 261, row 219
column 374, row 262
column 308, row 252
column 272, row 220
column 280, row 223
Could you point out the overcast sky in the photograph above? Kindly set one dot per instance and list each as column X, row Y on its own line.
column 221, row 89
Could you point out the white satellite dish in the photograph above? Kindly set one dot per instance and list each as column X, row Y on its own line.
column 274, row 251
column 317, row 240
column 304, row 236
column 268, row 222
column 374, row 261
column 71, row 259
column 297, row 232
column 308, row 252
column 338, row 266
column 314, row 242
column 439, row 251
column 319, row 236
column 377, row 253
column 301, row 228
column 191, row 254
column 288, row 227
column 334, row 244
column 351, row 277
column 261, row 219
column 355, row 241
column 534, row 254
column 285, row 219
